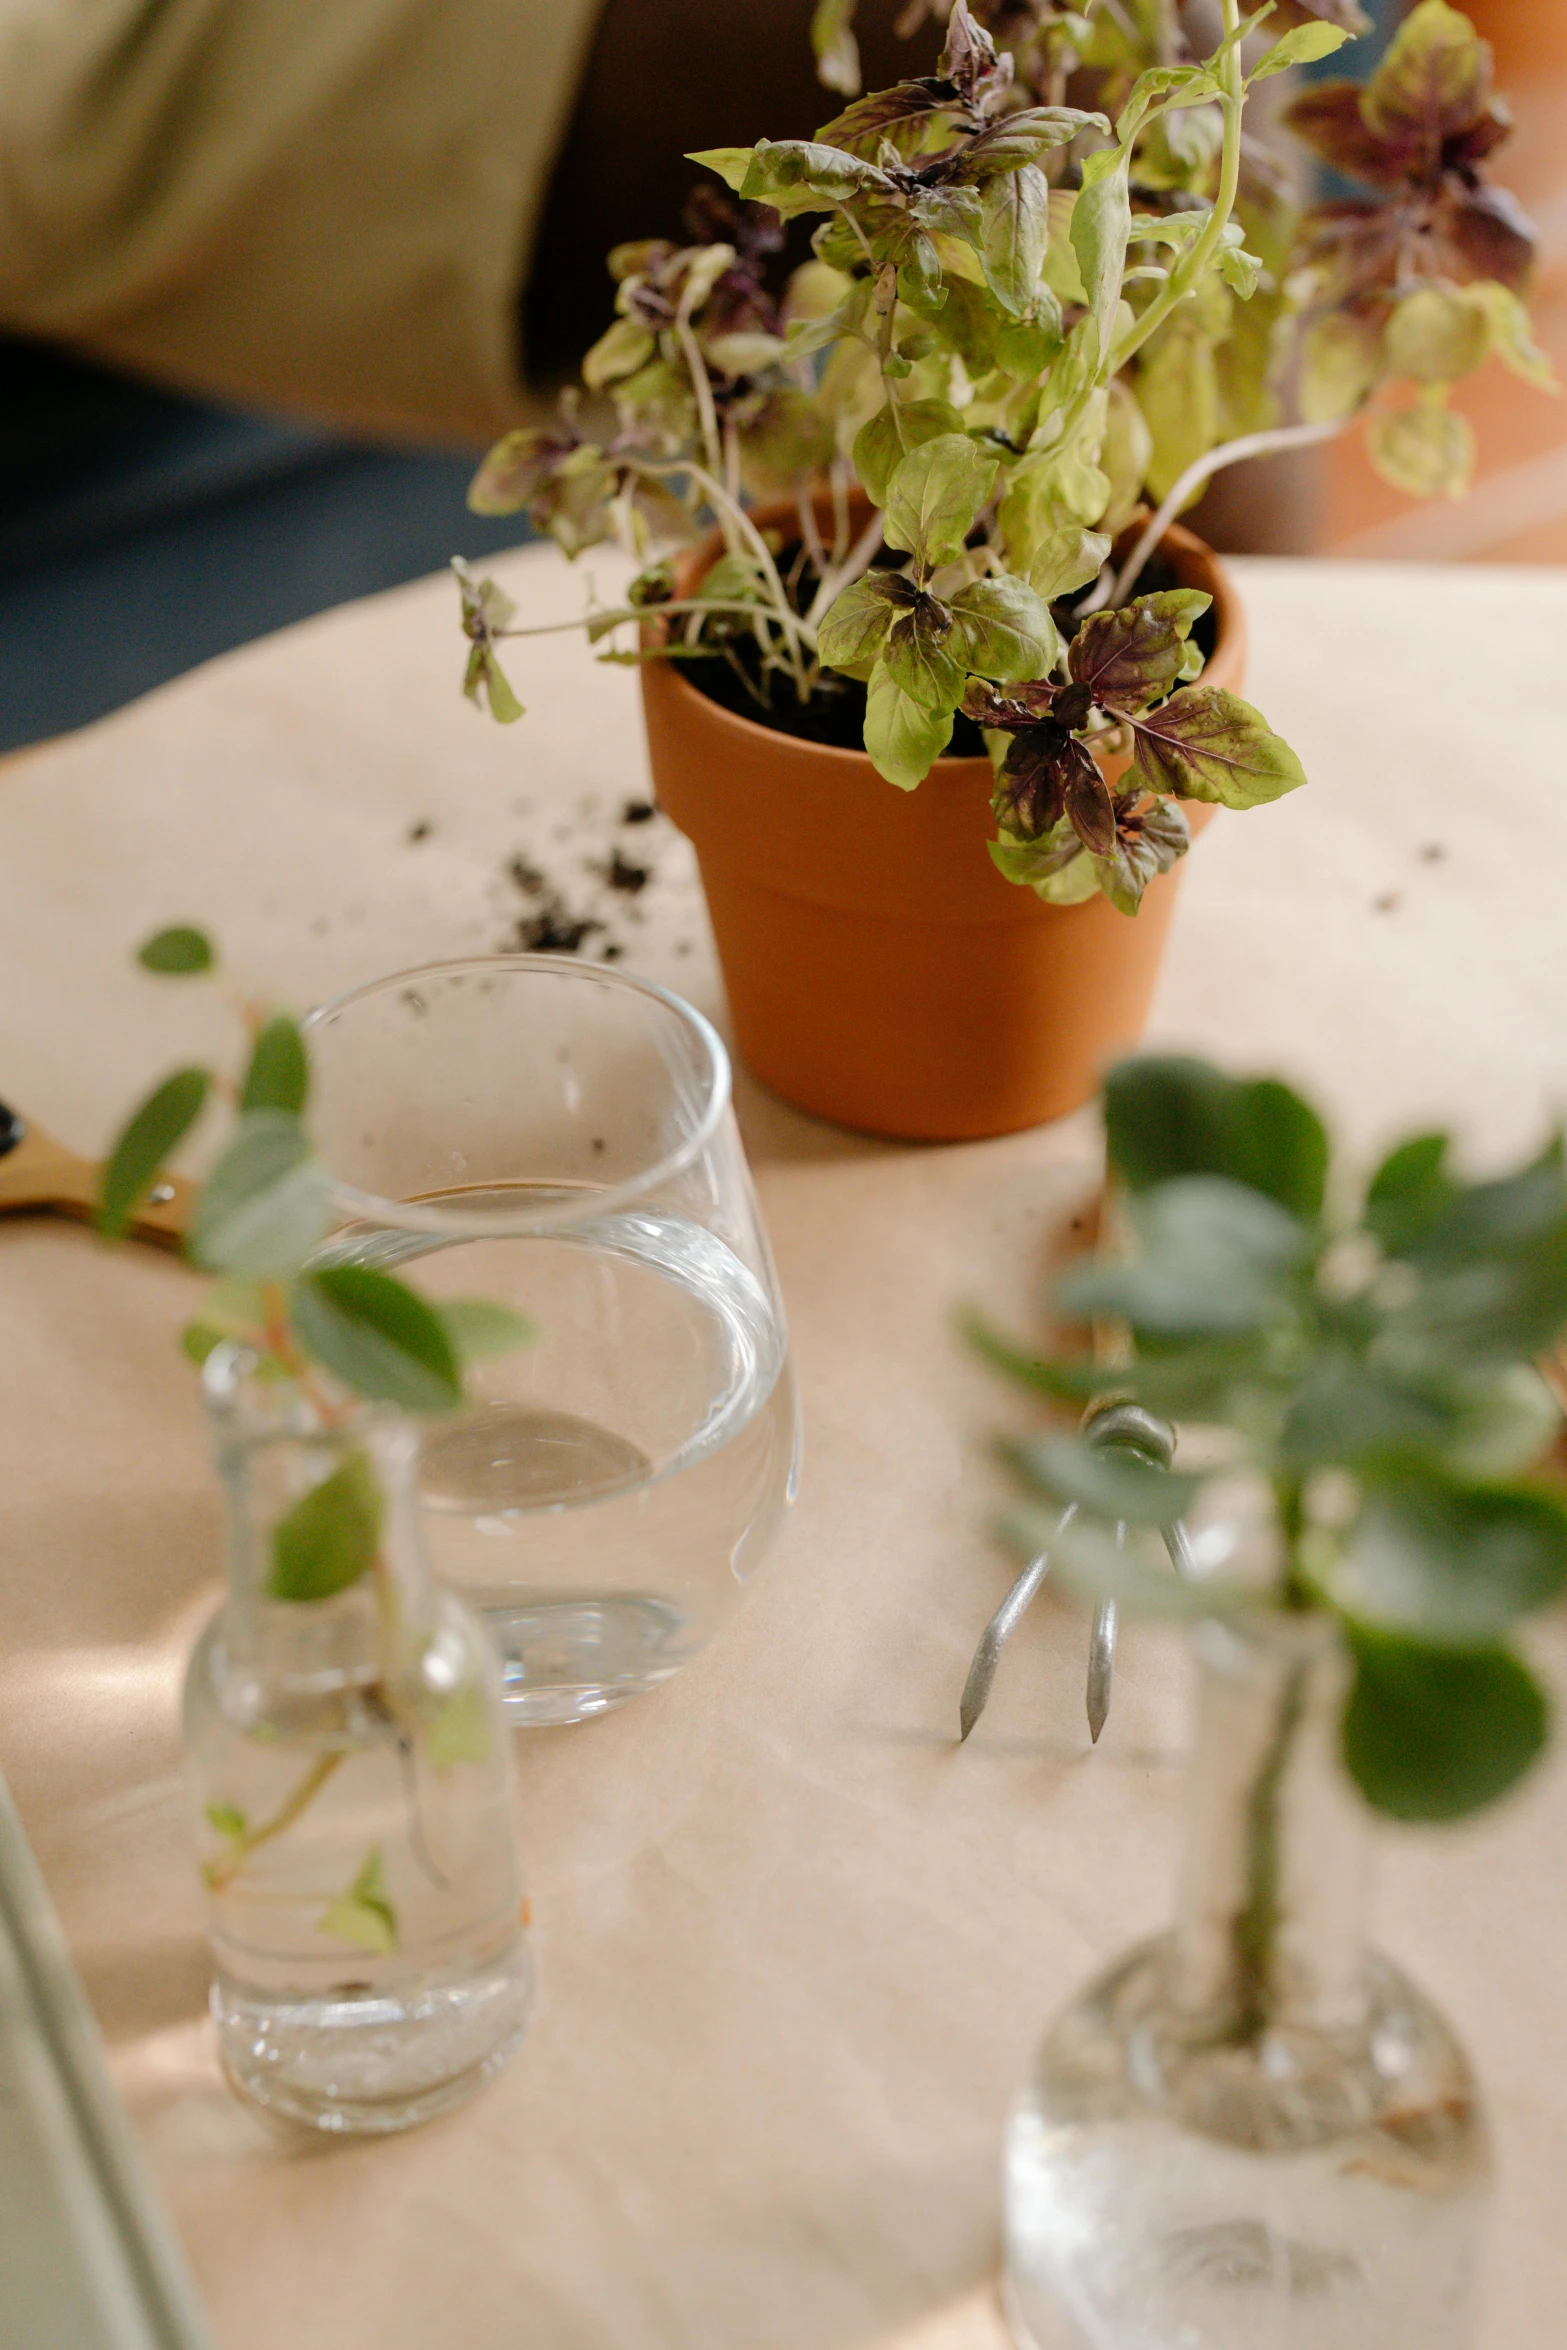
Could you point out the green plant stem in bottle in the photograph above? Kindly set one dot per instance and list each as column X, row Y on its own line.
column 351, row 1777
column 1253, row 2129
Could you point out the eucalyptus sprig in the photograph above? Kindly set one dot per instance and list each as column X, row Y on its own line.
column 335, row 1332
column 1367, row 1359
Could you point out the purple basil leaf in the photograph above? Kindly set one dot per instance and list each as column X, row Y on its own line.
column 1491, row 235
column 917, row 657
column 860, row 127
column 1328, row 119
column 1015, row 711
column 1089, row 803
column 1030, row 795
column 1206, row 744
column 1433, row 83
column 1146, row 845
column 1129, row 658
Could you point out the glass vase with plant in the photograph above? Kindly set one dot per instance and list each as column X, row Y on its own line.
column 346, row 1743
column 1254, row 2129
column 1023, row 320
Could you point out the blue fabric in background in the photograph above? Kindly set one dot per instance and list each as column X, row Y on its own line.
column 141, row 533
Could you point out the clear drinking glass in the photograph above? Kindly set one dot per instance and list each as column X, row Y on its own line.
column 1252, row 2133
column 558, row 1137
column 351, row 1774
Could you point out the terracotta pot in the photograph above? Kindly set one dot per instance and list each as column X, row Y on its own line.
column 880, row 971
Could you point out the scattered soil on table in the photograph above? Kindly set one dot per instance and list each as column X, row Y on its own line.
column 589, row 904
column 835, row 716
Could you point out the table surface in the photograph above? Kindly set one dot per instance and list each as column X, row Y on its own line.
column 796, row 1946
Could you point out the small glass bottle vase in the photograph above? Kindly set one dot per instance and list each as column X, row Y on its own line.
column 1252, row 2133
column 351, row 1774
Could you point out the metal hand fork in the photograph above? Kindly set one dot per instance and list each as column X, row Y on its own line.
column 1124, row 1427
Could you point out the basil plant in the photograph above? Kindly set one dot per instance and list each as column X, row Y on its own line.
column 1022, row 321
column 1360, row 1360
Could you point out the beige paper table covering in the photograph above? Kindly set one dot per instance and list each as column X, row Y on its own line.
column 795, row 1947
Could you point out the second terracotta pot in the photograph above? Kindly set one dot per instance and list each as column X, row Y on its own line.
column 880, row 971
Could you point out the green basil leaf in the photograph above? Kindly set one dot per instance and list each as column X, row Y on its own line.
column 885, row 439
column 1342, row 361
column 378, row 1336
column 935, row 496
column 1434, row 1733
column 1065, row 560
column 1436, row 335
column 177, row 953
column 854, row 627
column 266, row 1203
column 1101, row 225
column 330, row 1537
column 1428, row 451
column 279, row 1074
column 145, row 1143
column 903, row 739
column 1015, row 237
column 1305, row 44
column 1001, row 629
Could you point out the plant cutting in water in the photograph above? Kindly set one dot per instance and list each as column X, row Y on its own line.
column 1253, row 2127
column 1365, row 1371
column 325, row 1341
column 1023, row 320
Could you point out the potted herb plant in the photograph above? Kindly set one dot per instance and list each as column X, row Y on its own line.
column 346, row 1739
column 1253, row 2128
column 923, row 469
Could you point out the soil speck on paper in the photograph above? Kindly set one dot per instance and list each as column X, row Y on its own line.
column 420, row 830
column 581, row 893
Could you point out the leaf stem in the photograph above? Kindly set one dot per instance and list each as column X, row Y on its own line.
column 220, row 1874
column 1251, row 444
column 1255, row 1927
column 1184, row 276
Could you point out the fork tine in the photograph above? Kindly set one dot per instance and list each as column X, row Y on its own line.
column 999, row 1630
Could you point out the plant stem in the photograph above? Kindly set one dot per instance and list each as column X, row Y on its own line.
column 1254, row 1930
column 1186, row 273
column 1251, row 444
column 220, row 1874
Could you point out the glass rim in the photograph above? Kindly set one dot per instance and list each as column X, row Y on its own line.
column 451, row 1223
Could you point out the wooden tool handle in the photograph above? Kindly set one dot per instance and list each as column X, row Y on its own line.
column 41, row 1177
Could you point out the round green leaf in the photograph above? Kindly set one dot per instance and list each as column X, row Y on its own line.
column 378, row 1336
column 136, row 1161
column 279, row 1074
column 266, row 1203
column 176, row 953
column 331, row 1535
column 1452, row 1564
column 1434, row 1733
